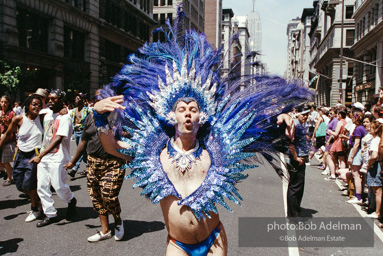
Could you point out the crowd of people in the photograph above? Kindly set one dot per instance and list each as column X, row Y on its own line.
column 347, row 143
column 36, row 138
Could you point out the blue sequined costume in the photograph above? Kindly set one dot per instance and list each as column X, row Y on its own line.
column 238, row 116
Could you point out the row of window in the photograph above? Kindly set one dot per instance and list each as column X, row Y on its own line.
column 113, row 52
column 112, row 13
column 163, row 2
column 33, row 34
column 368, row 22
column 80, row 4
column 367, row 70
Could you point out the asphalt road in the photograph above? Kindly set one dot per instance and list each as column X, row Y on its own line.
column 145, row 232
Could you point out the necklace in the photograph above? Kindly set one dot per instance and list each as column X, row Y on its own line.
column 184, row 160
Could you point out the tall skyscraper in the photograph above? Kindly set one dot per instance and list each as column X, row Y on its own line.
column 255, row 30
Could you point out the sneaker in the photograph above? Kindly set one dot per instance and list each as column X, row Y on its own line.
column 47, row 221
column 71, row 211
column 7, row 182
column 354, row 201
column 325, row 172
column 32, row 216
column 373, row 215
column 119, row 232
column 345, row 193
column 363, row 204
column 99, row 236
column 72, row 173
column 330, row 178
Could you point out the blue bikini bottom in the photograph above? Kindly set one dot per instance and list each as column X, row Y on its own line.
column 202, row 248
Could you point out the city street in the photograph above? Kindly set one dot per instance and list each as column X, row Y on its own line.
column 145, row 231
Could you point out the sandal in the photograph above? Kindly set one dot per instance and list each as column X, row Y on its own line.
column 7, row 182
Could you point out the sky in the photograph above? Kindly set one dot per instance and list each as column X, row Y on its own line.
column 275, row 15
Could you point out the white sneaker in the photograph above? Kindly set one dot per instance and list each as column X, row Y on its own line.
column 32, row 216
column 100, row 236
column 354, row 200
column 119, row 232
column 373, row 215
column 326, row 172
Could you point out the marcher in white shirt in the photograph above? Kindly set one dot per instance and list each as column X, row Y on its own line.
column 55, row 153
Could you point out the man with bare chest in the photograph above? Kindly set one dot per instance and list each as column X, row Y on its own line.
column 186, row 165
column 185, row 231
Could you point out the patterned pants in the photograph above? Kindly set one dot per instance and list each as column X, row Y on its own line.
column 104, row 184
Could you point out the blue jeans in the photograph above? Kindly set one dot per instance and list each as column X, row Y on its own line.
column 77, row 137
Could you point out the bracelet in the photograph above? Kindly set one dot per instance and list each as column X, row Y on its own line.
column 40, row 156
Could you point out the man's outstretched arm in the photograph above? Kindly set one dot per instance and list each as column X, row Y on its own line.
column 108, row 141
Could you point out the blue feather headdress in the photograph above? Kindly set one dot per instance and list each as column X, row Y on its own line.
column 238, row 116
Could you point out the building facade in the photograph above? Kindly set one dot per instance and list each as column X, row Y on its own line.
column 368, row 50
column 167, row 9
column 213, row 22
column 72, row 45
column 293, row 49
column 325, row 49
column 226, row 40
column 240, row 22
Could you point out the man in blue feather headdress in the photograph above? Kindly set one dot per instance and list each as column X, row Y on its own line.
column 186, row 165
column 191, row 133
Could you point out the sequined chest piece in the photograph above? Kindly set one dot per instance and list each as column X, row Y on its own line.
column 184, row 160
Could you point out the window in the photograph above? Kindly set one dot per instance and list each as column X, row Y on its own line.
column 373, row 60
column 112, row 13
column 162, row 18
column 170, row 2
column 350, row 33
column 33, row 30
column 170, row 17
column 74, row 42
column 80, row 4
column 155, row 2
column 349, row 11
column 163, row 3
column 112, row 52
column 155, row 17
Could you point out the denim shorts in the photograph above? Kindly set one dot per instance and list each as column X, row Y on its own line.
column 25, row 173
column 357, row 158
column 373, row 176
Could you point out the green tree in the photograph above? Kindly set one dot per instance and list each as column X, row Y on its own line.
column 9, row 76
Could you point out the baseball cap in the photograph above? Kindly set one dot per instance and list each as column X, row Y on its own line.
column 42, row 92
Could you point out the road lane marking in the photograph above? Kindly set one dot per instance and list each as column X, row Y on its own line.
column 377, row 230
column 293, row 248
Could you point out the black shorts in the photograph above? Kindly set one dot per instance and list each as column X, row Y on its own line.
column 25, row 173
column 338, row 153
column 320, row 141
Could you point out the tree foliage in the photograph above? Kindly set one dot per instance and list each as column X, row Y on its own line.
column 9, row 76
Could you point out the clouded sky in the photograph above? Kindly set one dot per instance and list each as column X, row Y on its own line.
column 275, row 15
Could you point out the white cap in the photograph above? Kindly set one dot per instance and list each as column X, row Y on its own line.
column 358, row 105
